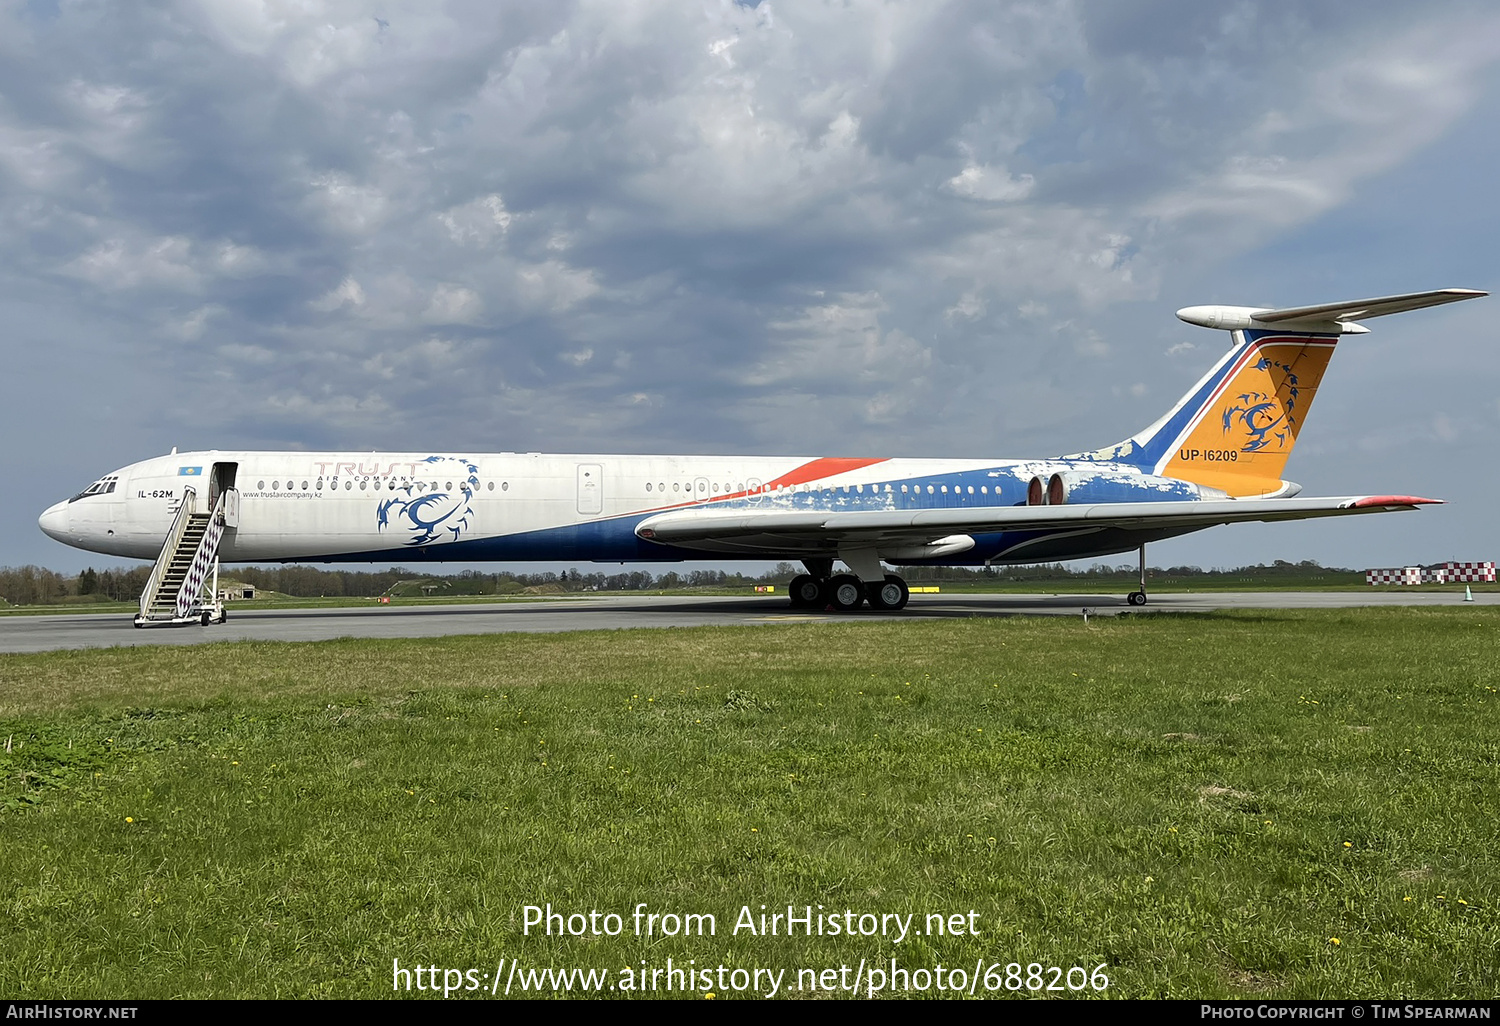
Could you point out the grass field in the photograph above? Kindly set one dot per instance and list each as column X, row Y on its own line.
column 1257, row 804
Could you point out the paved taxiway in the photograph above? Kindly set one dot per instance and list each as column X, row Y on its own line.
column 614, row 612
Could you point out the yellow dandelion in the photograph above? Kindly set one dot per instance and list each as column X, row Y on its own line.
column 1407, row 898
column 708, row 995
column 128, row 819
column 1334, row 941
column 1348, row 844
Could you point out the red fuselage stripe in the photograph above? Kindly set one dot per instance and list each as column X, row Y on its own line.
column 819, row 469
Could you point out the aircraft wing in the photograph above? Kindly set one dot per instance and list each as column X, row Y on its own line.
column 761, row 530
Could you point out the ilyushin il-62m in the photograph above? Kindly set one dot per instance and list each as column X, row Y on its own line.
column 1215, row 458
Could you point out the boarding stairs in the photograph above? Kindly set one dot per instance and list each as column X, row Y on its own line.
column 189, row 560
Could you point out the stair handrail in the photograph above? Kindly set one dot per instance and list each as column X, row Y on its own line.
column 204, row 555
column 185, row 511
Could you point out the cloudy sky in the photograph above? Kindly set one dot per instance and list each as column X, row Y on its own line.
column 857, row 228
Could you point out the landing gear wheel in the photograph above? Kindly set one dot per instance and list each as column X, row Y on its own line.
column 845, row 593
column 1137, row 598
column 892, row 593
column 806, row 591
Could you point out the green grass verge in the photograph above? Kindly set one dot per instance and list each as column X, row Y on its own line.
column 1287, row 804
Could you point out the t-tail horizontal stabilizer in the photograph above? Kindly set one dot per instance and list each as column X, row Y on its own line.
column 1328, row 318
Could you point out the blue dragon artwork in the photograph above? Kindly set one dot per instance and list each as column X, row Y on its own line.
column 1257, row 413
column 429, row 512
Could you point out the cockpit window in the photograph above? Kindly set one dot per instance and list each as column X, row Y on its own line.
column 101, row 487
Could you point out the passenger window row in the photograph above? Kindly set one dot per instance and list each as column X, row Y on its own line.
column 365, row 484
column 803, row 489
column 679, row 487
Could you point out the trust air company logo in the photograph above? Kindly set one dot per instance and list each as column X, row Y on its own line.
column 1261, row 421
column 439, row 510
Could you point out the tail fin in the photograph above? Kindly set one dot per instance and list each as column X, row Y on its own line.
column 1236, row 428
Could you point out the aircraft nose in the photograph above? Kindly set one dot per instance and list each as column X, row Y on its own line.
column 54, row 522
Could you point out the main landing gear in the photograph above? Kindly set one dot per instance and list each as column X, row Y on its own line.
column 821, row 588
column 1138, row 598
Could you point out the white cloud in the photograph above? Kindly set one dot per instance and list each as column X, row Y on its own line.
column 347, row 410
column 991, row 184
column 969, row 307
column 1357, row 113
column 234, row 261
column 347, row 206
column 190, row 328
column 348, row 293
column 841, row 347
column 453, row 304
column 119, row 263
column 553, row 285
column 307, row 42
column 239, row 353
column 478, row 222
column 35, row 158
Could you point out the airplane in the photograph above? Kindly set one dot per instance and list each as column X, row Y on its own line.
column 1215, row 458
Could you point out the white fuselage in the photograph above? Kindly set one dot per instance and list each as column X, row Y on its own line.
column 527, row 506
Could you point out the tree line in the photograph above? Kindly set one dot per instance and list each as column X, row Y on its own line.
column 37, row 586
